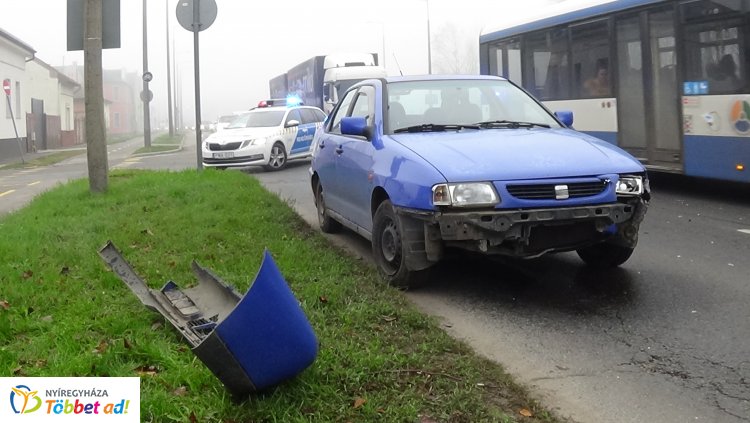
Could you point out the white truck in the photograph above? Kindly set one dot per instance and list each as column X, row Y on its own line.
column 319, row 80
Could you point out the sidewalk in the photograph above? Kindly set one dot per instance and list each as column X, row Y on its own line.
column 27, row 157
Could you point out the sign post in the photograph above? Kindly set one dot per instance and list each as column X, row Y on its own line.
column 195, row 16
column 6, row 88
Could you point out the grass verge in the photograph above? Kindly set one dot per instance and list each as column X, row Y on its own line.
column 62, row 313
column 46, row 160
column 166, row 139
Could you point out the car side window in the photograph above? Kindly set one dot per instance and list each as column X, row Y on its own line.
column 292, row 115
column 320, row 116
column 309, row 116
column 364, row 105
column 342, row 111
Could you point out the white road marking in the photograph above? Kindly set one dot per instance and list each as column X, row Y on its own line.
column 7, row 192
column 744, row 231
column 34, row 183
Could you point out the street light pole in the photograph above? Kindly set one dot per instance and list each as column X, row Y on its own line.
column 145, row 93
column 429, row 49
column 169, row 78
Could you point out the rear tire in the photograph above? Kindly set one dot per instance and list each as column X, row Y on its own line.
column 605, row 255
column 326, row 222
column 278, row 158
column 389, row 252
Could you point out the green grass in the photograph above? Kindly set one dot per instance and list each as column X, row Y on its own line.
column 45, row 160
column 118, row 138
column 166, row 139
column 156, row 148
column 63, row 313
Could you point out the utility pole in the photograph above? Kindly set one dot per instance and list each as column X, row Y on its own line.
column 196, row 58
column 169, row 78
column 96, row 145
column 146, row 94
column 429, row 48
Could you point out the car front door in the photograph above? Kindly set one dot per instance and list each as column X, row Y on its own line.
column 354, row 163
column 325, row 154
column 305, row 132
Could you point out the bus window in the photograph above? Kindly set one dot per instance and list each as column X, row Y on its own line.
column 514, row 62
column 590, row 57
column 546, row 59
column 712, row 51
column 496, row 60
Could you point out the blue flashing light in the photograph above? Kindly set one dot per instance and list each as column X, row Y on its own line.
column 293, row 100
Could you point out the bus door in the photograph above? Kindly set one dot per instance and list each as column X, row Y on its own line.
column 648, row 93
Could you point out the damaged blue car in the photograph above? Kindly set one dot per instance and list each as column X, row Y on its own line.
column 418, row 165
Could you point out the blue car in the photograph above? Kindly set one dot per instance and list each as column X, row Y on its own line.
column 418, row 165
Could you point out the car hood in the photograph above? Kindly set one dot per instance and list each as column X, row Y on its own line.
column 241, row 134
column 514, row 154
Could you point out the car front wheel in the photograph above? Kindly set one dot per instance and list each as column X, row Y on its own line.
column 605, row 255
column 327, row 224
column 277, row 161
column 389, row 251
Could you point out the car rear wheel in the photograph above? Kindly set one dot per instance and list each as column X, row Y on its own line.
column 605, row 255
column 389, row 251
column 277, row 161
column 327, row 224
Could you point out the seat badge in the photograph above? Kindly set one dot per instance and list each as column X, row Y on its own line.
column 561, row 192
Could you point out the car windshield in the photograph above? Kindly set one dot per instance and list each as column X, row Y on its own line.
column 227, row 118
column 258, row 118
column 461, row 102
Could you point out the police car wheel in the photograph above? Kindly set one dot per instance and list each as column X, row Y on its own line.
column 277, row 161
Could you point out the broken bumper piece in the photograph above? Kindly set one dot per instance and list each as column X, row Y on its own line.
column 250, row 343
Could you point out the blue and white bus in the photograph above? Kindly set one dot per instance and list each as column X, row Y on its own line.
column 667, row 80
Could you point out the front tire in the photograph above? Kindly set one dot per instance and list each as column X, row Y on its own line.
column 605, row 255
column 278, row 158
column 389, row 251
column 326, row 222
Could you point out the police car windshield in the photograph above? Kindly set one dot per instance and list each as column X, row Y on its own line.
column 258, row 118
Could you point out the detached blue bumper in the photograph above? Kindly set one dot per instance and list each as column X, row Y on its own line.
column 250, row 343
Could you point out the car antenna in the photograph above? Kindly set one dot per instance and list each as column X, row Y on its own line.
column 399, row 66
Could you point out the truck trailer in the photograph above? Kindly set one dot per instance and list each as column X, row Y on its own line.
column 320, row 80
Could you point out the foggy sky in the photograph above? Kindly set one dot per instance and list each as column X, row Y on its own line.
column 253, row 41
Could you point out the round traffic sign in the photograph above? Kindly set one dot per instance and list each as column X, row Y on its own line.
column 206, row 14
column 147, row 96
column 6, row 86
column 148, row 76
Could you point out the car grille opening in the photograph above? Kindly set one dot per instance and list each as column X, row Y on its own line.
column 222, row 147
column 547, row 191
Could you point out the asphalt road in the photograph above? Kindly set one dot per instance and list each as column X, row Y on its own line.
column 665, row 338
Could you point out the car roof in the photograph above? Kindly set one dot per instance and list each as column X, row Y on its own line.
column 412, row 78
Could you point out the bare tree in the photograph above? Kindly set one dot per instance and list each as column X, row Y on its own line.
column 455, row 51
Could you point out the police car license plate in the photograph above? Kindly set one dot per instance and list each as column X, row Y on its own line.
column 224, row 155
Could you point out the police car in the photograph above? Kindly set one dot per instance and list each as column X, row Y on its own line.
column 268, row 135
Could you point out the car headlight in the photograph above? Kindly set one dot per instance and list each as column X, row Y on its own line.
column 470, row 194
column 629, row 185
column 247, row 142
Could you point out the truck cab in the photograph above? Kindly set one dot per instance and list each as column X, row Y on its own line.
column 341, row 71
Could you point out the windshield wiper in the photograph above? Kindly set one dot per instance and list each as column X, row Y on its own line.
column 510, row 124
column 433, row 127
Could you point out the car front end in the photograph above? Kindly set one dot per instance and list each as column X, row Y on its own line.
column 236, row 148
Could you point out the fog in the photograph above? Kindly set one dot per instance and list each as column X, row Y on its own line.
column 252, row 41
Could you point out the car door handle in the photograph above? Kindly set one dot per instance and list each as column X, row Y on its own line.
column 339, row 150
column 322, row 144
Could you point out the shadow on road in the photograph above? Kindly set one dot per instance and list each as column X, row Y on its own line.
column 707, row 189
column 558, row 283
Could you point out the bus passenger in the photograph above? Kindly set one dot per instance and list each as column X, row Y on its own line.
column 598, row 86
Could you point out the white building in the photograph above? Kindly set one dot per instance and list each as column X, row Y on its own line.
column 14, row 55
column 51, row 95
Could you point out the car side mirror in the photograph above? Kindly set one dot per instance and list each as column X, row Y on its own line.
column 566, row 117
column 355, row 125
column 292, row 123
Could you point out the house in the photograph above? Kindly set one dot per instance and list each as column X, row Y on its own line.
column 51, row 95
column 14, row 54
